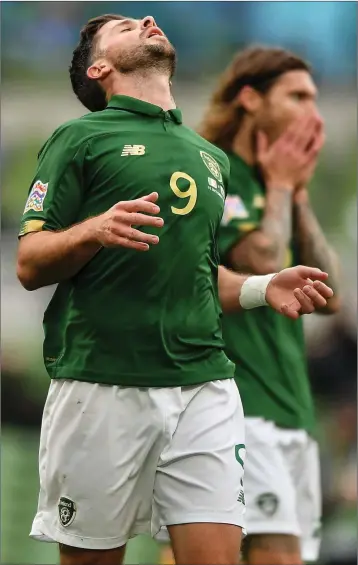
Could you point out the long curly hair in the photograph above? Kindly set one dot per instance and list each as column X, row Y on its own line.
column 258, row 67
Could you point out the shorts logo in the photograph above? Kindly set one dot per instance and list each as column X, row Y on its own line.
column 212, row 165
column 36, row 197
column 241, row 497
column 268, row 503
column 66, row 511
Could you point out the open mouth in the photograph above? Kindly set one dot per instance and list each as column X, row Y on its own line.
column 155, row 31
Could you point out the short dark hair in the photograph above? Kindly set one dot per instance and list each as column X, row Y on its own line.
column 257, row 66
column 88, row 91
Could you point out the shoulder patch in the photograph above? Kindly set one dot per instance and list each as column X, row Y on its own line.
column 36, row 197
column 234, row 208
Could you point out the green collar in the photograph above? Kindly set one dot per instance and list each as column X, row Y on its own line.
column 130, row 104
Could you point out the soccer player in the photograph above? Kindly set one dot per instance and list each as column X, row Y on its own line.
column 143, row 424
column 264, row 115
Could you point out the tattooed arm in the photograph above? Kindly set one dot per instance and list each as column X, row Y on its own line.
column 281, row 163
column 264, row 250
column 313, row 247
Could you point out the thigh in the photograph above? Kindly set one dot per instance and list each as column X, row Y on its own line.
column 206, row 543
column 309, row 503
column 271, row 549
column 97, row 467
column 199, row 475
column 269, row 487
column 76, row 556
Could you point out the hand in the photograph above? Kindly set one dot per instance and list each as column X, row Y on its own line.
column 292, row 292
column 114, row 228
column 308, row 171
column 284, row 161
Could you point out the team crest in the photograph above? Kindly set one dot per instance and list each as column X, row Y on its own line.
column 36, row 197
column 268, row 503
column 234, row 208
column 66, row 511
column 212, row 165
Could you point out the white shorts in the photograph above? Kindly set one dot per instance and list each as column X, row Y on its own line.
column 282, row 484
column 118, row 461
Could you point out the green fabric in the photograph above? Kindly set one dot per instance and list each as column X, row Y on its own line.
column 19, row 494
column 131, row 318
column 267, row 348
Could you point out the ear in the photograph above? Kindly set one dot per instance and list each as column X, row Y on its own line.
column 250, row 99
column 99, row 70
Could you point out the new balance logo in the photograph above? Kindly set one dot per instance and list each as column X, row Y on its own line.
column 241, row 497
column 133, row 150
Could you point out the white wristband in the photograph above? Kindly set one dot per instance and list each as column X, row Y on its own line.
column 253, row 291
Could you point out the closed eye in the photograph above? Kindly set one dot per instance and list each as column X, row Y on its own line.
column 302, row 96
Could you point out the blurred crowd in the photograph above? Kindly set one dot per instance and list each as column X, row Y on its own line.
column 203, row 34
column 37, row 39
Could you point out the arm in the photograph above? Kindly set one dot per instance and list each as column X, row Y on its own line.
column 290, row 292
column 53, row 245
column 230, row 285
column 46, row 258
column 281, row 163
column 50, row 250
column 264, row 250
column 313, row 247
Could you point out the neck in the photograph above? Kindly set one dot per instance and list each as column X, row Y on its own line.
column 149, row 87
column 243, row 144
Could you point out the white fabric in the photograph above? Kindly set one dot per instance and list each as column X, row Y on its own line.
column 253, row 291
column 134, row 460
column 285, row 464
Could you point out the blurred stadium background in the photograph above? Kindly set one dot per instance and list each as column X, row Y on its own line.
column 37, row 40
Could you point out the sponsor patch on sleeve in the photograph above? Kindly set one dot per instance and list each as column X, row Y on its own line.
column 234, row 208
column 36, row 197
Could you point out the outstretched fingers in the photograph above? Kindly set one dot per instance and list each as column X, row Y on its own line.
column 311, row 273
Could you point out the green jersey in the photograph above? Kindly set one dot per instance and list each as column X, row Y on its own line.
column 131, row 318
column 267, row 348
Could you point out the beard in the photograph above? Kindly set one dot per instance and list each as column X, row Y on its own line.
column 159, row 57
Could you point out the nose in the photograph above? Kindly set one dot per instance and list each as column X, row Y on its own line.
column 316, row 114
column 148, row 21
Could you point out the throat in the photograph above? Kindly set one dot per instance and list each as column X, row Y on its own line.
column 150, row 87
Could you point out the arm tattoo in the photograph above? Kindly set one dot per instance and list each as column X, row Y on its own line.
column 276, row 224
column 313, row 246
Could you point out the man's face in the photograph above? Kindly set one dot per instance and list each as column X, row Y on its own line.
column 130, row 45
column 292, row 96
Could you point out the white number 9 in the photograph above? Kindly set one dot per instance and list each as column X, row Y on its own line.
column 191, row 193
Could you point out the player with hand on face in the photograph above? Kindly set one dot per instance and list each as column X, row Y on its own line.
column 264, row 115
column 143, row 424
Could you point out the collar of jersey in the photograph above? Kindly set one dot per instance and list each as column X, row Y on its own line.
column 120, row 102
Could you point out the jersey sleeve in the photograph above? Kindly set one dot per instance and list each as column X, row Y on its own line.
column 55, row 195
column 238, row 220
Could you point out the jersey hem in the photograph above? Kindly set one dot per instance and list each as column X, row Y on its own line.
column 190, row 379
column 310, row 429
